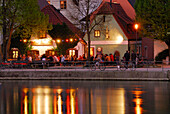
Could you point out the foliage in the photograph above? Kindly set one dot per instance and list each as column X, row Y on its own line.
column 21, row 13
column 62, row 32
column 162, row 55
column 17, row 41
column 154, row 18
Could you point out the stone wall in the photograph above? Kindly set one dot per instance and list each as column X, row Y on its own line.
column 82, row 75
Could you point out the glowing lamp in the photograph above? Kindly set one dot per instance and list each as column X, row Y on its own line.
column 25, row 40
column 136, row 26
column 58, row 40
column 119, row 39
column 71, row 40
column 66, row 40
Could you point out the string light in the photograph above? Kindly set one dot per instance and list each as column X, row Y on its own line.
column 66, row 40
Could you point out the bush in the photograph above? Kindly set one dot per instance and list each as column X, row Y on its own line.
column 162, row 55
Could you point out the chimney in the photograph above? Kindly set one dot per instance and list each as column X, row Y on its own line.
column 110, row 3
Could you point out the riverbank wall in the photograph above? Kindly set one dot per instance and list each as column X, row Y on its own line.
column 84, row 75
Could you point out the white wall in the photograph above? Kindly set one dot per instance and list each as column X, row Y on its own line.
column 80, row 47
column 65, row 12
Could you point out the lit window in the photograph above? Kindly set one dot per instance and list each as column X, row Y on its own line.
column 92, row 51
column 107, row 32
column 97, row 33
column 63, row 4
column 15, row 54
column 48, row 1
column 42, row 34
column 72, row 52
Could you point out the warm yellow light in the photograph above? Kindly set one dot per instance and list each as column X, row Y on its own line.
column 37, row 41
column 25, row 40
column 25, row 90
column 71, row 40
column 59, row 104
column 119, row 39
column 25, row 105
column 45, row 41
column 72, row 101
column 58, row 40
column 136, row 26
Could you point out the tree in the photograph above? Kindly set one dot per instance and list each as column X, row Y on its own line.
column 62, row 32
column 17, row 40
column 17, row 13
column 83, row 9
column 154, row 18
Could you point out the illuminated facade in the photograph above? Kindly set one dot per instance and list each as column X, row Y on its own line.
column 42, row 45
column 111, row 34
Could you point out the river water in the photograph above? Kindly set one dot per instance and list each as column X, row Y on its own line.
column 84, row 97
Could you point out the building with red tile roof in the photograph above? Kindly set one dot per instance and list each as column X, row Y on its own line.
column 117, row 33
column 45, row 44
column 55, row 17
column 127, row 7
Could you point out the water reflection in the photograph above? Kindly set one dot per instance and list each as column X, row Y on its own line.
column 138, row 100
column 84, row 97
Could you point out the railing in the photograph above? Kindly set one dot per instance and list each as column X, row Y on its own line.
column 85, row 66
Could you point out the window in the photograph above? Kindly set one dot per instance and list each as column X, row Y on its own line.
column 92, row 51
column 107, row 32
column 71, row 53
column 97, row 33
column 42, row 34
column 15, row 54
column 63, row 4
column 104, row 18
column 48, row 1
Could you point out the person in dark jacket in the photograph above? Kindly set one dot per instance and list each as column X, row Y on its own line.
column 127, row 57
column 133, row 58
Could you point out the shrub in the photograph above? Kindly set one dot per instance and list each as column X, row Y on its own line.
column 162, row 55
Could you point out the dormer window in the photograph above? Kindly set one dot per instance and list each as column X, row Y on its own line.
column 42, row 34
column 63, row 4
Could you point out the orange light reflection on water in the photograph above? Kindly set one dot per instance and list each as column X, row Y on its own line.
column 138, row 101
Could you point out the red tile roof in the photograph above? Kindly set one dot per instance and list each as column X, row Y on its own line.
column 55, row 17
column 119, row 14
column 127, row 7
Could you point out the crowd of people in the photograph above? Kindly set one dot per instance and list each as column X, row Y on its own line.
column 63, row 58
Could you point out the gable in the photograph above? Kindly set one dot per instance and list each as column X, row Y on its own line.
column 115, row 31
